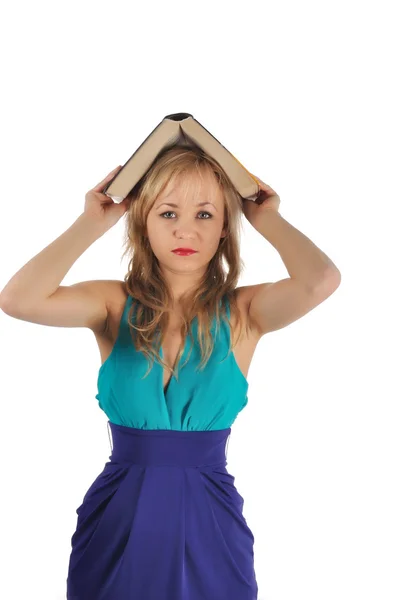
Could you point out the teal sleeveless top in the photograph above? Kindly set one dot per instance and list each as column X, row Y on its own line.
column 206, row 399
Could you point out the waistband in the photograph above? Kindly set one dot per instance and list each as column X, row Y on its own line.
column 168, row 447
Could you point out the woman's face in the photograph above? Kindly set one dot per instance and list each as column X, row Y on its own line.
column 195, row 221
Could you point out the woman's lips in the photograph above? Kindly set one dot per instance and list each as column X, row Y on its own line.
column 184, row 252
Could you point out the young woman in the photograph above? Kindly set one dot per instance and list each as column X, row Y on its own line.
column 164, row 521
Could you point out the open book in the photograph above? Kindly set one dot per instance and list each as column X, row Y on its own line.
column 181, row 129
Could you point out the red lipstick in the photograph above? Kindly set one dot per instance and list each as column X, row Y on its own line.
column 184, row 251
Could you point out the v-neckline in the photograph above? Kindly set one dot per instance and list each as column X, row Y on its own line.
column 164, row 391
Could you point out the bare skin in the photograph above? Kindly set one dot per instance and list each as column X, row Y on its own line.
column 243, row 352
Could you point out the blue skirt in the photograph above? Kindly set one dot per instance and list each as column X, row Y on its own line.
column 163, row 521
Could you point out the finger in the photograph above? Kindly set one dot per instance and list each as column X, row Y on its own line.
column 102, row 183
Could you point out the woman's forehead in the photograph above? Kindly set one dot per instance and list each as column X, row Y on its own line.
column 193, row 187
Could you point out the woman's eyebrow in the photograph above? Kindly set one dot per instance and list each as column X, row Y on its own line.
column 176, row 205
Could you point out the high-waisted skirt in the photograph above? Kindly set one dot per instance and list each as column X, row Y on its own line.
column 163, row 521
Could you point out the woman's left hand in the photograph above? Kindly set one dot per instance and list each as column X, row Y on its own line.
column 268, row 200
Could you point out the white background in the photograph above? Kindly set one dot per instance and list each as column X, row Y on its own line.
column 304, row 95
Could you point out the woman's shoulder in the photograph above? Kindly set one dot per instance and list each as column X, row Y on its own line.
column 116, row 297
column 117, row 290
column 242, row 297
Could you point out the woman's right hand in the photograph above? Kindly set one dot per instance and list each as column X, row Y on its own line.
column 102, row 209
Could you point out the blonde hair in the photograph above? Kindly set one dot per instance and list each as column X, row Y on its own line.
column 143, row 280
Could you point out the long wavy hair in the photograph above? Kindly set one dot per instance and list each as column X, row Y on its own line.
column 151, row 297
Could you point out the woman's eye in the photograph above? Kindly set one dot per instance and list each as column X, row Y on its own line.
column 201, row 212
